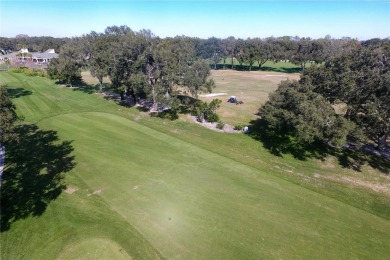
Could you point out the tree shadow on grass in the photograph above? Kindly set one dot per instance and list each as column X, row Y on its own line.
column 82, row 86
column 281, row 69
column 18, row 92
column 33, row 174
column 88, row 89
column 355, row 159
column 279, row 143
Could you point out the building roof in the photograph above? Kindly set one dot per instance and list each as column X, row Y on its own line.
column 44, row 55
column 48, row 54
column 50, row 51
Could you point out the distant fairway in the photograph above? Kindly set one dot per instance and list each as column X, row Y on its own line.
column 147, row 188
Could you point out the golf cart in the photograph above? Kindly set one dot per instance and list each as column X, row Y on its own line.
column 233, row 99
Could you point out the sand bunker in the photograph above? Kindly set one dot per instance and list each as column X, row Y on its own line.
column 214, row 95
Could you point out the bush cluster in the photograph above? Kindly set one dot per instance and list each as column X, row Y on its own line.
column 220, row 124
column 31, row 73
column 238, row 127
column 204, row 111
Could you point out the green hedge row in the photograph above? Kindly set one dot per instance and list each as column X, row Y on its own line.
column 31, row 73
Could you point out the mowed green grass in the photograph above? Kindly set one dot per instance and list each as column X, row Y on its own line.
column 281, row 66
column 143, row 188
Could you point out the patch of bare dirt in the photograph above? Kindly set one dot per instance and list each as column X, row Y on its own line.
column 375, row 186
column 328, row 163
column 70, row 190
column 378, row 187
column 96, row 192
column 137, row 118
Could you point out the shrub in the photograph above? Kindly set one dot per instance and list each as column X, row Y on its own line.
column 28, row 72
column 202, row 110
column 238, row 127
column 19, row 69
column 31, row 73
column 39, row 73
column 169, row 114
column 212, row 117
column 220, row 125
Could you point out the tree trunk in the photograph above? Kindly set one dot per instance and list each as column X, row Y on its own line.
column 232, row 62
column 303, row 64
column 261, row 62
column 215, row 65
column 154, row 98
column 382, row 142
column 132, row 94
column 101, row 84
column 224, row 62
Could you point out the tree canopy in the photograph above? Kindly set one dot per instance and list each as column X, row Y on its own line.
column 361, row 80
column 358, row 79
column 295, row 109
column 66, row 68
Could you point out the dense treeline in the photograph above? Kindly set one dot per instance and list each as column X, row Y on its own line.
column 357, row 80
column 138, row 64
column 257, row 51
column 33, row 44
column 251, row 51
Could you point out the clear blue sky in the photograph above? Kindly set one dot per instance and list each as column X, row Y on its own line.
column 257, row 18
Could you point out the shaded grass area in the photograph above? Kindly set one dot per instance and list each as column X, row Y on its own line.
column 280, row 144
column 17, row 92
column 34, row 172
